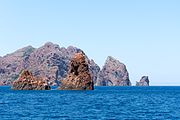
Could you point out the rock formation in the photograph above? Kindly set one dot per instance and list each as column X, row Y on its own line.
column 26, row 81
column 113, row 73
column 78, row 77
column 94, row 69
column 143, row 82
column 12, row 64
column 49, row 61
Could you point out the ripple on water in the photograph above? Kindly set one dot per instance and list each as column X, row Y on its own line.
column 102, row 103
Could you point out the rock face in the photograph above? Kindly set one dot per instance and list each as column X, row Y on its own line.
column 94, row 69
column 26, row 81
column 49, row 61
column 143, row 82
column 78, row 77
column 12, row 64
column 113, row 73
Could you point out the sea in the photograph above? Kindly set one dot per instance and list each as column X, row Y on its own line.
column 104, row 103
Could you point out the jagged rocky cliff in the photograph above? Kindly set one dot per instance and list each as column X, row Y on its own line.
column 12, row 64
column 51, row 62
column 113, row 73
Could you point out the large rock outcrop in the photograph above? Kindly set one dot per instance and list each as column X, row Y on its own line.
column 113, row 73
column 143, row 82
column 78, row 77
column 49, row 61
column 26, row 81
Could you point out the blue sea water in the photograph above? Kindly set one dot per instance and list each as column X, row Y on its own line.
column 102, row 103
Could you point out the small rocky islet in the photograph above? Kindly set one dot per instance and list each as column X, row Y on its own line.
column 144, row 81
column 26, row 81
column 59, row 66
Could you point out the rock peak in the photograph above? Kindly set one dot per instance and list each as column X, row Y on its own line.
column 78, row 77
column 144, row 81
column 73, row 49
column 50, row 45
column 28, row 47
column 79, row 56
column 25, row 51
column 112, row 60
column 113, row 73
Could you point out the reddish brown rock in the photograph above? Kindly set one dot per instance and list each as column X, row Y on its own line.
column 26, row 81
column 78, row 77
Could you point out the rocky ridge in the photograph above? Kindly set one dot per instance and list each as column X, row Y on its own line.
column 52, row 63
column 49, row 61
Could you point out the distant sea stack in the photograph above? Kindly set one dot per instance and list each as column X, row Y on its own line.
column 26, row 81
column 78, row 77
column 143, row 82
column 113, row 73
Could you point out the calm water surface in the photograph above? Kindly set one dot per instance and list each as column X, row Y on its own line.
column 102, row 103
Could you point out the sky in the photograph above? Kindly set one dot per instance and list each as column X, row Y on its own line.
column 142, row 34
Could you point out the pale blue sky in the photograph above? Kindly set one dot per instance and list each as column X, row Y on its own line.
column 143, row 34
